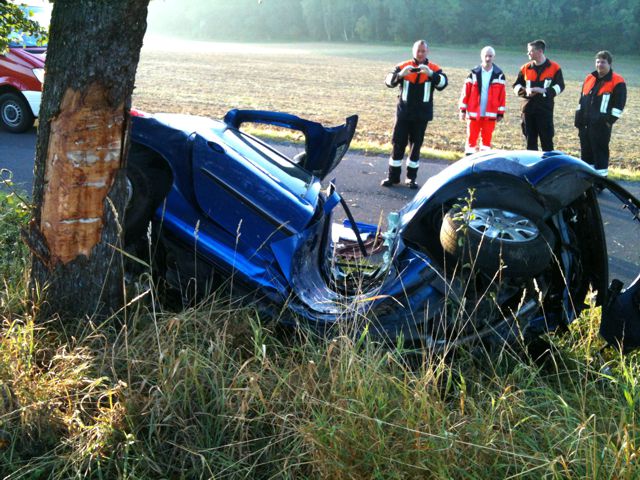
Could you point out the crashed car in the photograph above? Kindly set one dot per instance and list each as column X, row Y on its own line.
column 499, row 246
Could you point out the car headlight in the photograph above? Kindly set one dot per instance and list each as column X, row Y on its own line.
column 39, row 73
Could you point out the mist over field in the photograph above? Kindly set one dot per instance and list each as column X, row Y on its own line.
column 565, row 24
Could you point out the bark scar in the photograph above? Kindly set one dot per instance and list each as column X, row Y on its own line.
column 84, row 155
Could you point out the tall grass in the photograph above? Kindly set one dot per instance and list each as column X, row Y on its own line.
column 210, row 392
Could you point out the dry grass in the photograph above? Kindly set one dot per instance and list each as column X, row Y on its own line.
column 330, row 82
column 210, row 393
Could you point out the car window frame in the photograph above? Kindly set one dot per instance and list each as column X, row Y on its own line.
column 273, row 156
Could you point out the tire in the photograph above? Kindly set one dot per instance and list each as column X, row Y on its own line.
column 15, row 113
column 491, row 238
column 147, row 185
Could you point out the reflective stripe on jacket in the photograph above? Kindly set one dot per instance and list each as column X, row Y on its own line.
column 471, row 91
column 601, row 99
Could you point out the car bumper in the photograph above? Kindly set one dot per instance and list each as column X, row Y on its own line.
column 34, row 99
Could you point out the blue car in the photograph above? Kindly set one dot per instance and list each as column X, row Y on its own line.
column 498, row 246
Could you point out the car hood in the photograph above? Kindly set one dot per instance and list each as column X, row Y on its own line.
column 33, row 57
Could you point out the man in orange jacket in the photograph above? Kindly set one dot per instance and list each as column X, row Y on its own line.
column 602, row 100
column 538, row 83
column 482, row 102
column 417, row 79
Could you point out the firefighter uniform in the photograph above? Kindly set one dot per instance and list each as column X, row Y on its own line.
column 413, row 113
column 482, row 113
column 537, row 109
column 602, row 101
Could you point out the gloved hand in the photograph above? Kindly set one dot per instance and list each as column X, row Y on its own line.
column 425, row 69
column 405, row 71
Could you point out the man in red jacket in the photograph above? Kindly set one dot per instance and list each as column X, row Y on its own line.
column 482, row 102
column 602, row 100
column 417, row 79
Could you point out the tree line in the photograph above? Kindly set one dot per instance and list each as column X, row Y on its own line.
column 564, row 24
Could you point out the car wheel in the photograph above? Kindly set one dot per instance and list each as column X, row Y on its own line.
column 15, row 113
column 147, row 185
column 491, row 238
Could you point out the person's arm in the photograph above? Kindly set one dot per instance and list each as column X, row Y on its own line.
column 577, row 121
column 557, row 85
column 464, row 97
column 519, row 85
column 439, row 80
column 392, row 79
column 502, row 97
column 618, row 101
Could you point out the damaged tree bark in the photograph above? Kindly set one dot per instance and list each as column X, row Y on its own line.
column 79, row 189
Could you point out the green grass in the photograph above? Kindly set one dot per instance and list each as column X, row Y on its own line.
column 212, row 393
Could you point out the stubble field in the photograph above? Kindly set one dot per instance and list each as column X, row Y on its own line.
column 330, row 82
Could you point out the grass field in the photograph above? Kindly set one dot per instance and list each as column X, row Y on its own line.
column 330, row 82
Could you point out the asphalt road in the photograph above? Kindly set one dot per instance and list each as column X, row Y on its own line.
column 358, row 180
column 17, row 153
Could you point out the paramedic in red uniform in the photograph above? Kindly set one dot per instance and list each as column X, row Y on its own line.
column 602, row 100
column 538, row 83
column 417, row 79
column 482, row 102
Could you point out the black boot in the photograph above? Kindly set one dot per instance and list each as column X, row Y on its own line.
column 393, row 177
column 412, row 175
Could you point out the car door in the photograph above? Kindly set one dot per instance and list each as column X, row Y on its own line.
column 243, row 194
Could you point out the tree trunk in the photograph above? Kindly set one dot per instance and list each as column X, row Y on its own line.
column 79, row 189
